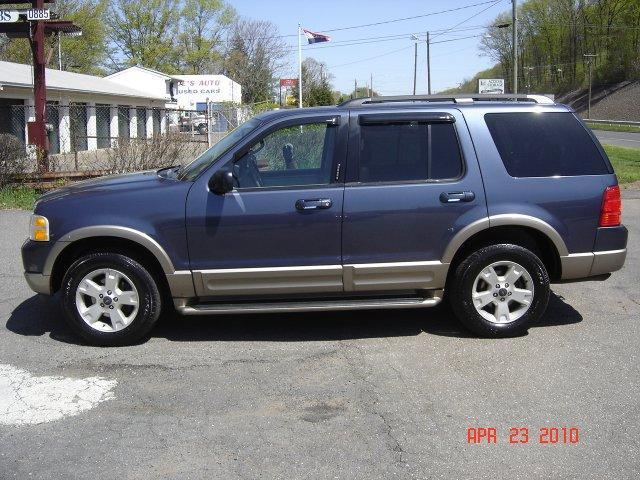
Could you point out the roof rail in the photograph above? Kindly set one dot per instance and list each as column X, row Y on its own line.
column 458, row 98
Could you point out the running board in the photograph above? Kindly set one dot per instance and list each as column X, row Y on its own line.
column 308, row 306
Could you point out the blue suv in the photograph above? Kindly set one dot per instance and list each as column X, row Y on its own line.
column 386, row 202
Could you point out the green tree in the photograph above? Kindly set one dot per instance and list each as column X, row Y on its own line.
column 203, row 24
column 555, row 35
column 316, row 86
column 144, row 33
column 85, row 54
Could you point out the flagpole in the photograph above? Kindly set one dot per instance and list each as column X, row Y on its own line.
column 299, row 68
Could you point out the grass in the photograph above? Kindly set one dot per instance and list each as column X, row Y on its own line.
column 17, row 197
column 625, row 161
column 614, row 128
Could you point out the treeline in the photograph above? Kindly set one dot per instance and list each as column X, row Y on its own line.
column 555, row 36
column 172, row 36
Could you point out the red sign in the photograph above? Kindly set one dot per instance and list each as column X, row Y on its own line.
column 288, row 82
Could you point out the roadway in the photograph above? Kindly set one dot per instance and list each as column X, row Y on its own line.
column 371, row 394
column 621, row 139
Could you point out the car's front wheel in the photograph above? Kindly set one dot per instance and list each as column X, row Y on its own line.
column 110, row 299
column 500, row 290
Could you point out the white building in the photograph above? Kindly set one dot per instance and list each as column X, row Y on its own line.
column 85, row 112
column 184, row 92
column 194, row 91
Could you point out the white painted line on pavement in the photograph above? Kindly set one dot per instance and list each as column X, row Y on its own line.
column 29, row 400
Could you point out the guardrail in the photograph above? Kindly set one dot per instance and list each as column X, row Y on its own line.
column 613, row 122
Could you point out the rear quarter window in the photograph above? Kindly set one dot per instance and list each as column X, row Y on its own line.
column 545, row 144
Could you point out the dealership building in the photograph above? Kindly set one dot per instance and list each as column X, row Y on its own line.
column 184, row 92
column 87, row 112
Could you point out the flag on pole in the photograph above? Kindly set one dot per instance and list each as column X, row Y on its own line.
column 313, row 37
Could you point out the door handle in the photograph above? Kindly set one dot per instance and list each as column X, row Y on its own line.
column 314, row 204
column 457, row 197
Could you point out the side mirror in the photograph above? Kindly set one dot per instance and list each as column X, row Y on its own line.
column 221, row 182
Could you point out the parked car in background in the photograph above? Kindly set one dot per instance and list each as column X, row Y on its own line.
column 389, row 202
column 194, row 122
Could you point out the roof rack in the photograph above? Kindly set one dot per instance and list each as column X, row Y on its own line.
column 458, row 98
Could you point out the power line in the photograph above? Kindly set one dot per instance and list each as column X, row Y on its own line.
column 371, row 58
column 386, row 40
column 410, row 18
column 394, row 20
column 396, row 36
column 399, row 50
column 493, row 4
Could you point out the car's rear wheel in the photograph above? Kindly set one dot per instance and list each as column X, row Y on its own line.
column 500, row 290
column 110, row 299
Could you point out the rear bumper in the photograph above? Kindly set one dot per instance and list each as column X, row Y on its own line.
column 609, row 254
column 38, row 282
column 590, row 264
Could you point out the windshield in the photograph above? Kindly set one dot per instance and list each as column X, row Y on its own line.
column 191, row 171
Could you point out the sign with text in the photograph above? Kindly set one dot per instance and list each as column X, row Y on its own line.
column 491, row 85
column 38, row 14
column 288, row 82
column 193, row 89
column 9, row 16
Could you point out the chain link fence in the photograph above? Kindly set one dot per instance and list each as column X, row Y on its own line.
column 122, row 138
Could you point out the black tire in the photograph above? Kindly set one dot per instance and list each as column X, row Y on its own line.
column 461, row 284
column 149, row 299
column 203, row 129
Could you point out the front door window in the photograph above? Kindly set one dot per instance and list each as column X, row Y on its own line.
column 292, row 156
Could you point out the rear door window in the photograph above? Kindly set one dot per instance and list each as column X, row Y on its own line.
column 548, row 144
column 405, row 151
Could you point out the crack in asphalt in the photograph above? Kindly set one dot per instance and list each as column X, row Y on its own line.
column 393, row 444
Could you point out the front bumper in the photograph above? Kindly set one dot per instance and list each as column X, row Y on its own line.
column 34, row 256
column 38, row 282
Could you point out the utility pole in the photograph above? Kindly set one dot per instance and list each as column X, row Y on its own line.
column 59, row 51
column 371, row 85
column 428, row 66
column 415, row 65
column 590, row 57
column 299, row 67
column 514, row 15
column 355, row 88
column 38, row 130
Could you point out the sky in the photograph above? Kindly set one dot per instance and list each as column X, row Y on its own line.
column 390, row 61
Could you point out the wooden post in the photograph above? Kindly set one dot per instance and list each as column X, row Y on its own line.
column 38, row 130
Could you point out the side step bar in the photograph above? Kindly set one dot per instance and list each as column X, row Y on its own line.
column 308, row 306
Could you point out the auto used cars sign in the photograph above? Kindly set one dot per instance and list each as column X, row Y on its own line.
column 491, row 85
column 192, row 90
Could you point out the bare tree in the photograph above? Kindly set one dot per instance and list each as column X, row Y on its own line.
column 254, row 56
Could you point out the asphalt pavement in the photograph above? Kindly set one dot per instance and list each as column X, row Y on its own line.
column 364, row 395
column 621, row 139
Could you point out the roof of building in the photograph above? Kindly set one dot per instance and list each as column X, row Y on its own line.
column 20, row 75
column 140, row 67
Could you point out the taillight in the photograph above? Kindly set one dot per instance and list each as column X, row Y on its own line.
column 611, row 210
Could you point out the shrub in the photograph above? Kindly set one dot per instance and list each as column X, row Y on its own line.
column 13, row 158
column 150, row 153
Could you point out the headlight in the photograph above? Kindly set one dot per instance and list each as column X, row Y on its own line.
column 39, row 228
